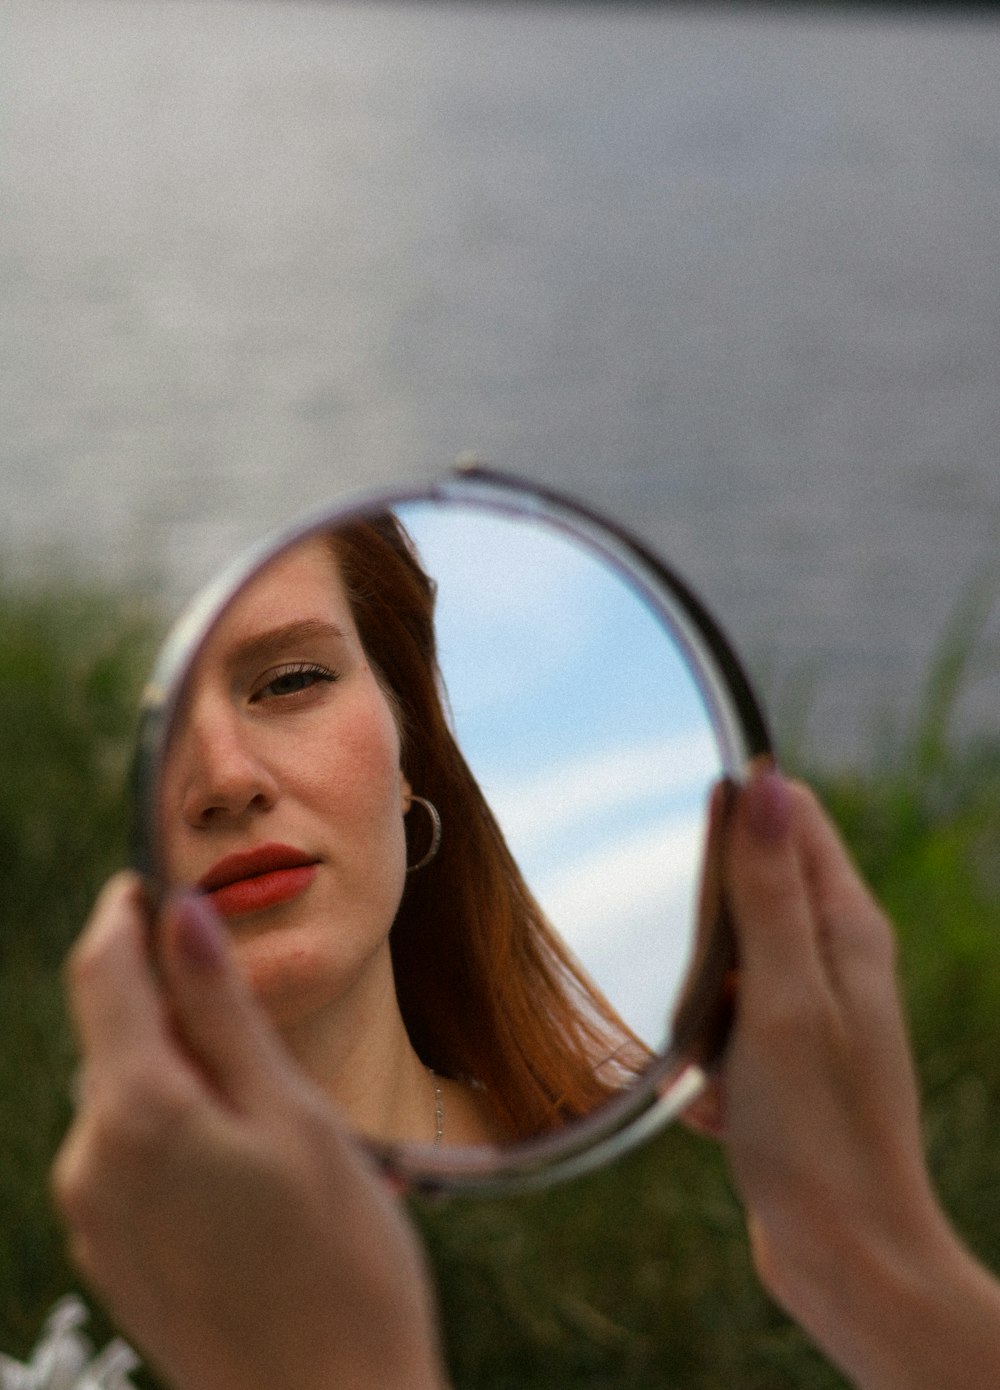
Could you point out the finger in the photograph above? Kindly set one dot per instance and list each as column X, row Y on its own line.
column 768, row 889
column 213, row 1009
column 113, row 996
column 852, row 925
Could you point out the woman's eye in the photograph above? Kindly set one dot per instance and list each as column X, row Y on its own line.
column 292, row 680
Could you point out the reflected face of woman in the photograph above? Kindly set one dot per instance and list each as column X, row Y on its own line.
column 282, row 793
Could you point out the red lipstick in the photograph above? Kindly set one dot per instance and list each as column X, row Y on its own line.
column 255, row 879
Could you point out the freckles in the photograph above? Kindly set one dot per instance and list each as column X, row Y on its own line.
column 359, row 767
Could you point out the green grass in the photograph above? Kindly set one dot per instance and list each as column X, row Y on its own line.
column 71, row 661
column 637, row 1276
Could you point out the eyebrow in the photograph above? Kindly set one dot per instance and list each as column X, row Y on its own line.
column 275, row 639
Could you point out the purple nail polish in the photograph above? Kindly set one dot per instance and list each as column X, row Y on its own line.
column 199, row 932
column 769, row 806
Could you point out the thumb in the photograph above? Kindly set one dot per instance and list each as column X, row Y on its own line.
column 213, row 1010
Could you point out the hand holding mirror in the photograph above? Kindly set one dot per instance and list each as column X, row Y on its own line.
column 443, row 759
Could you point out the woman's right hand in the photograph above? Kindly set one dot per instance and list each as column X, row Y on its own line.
column 817, row 1105
column 213, row 1199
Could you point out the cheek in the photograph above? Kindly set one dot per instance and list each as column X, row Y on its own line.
column 357, row 779
column 168, row 802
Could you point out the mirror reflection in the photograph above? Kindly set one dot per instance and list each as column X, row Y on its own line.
column 444, row 773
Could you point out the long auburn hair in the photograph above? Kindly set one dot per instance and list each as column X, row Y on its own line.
column 487, row 990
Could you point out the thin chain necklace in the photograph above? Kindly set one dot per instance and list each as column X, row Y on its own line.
column 438, row 1108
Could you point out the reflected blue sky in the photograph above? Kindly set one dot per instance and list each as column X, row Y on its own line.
column 579, row 715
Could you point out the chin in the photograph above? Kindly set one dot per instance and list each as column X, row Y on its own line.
column 294, row 974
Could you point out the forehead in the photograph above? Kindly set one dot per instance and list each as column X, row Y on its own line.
column 301, row 584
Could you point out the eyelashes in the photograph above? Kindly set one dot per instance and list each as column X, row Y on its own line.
column 295, row 678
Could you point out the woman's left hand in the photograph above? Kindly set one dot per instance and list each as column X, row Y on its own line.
column 816, row 1102
column 213, row 1198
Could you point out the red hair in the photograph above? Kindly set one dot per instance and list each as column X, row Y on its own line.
column 487, row 990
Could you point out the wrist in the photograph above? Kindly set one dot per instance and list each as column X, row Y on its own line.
column 919, row 1315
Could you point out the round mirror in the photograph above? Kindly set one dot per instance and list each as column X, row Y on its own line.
column 451, row 765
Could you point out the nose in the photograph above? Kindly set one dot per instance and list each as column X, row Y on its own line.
column 217, row 770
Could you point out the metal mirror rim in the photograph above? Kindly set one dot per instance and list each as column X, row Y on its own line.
column 672, row 1080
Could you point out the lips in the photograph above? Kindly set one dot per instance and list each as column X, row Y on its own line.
column 257, row 879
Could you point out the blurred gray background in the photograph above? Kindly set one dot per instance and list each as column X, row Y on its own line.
column 733, row 275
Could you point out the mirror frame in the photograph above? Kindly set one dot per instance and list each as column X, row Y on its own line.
column 673, row 1079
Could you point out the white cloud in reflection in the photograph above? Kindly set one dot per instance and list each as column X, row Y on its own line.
column 535, row 810
column 627, row 913
column 611, row 843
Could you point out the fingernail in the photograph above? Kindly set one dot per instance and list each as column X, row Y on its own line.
column 769, row 806
column 721, row 796
column 199, row 932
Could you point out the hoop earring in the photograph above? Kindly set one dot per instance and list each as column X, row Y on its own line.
column 435, row 843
